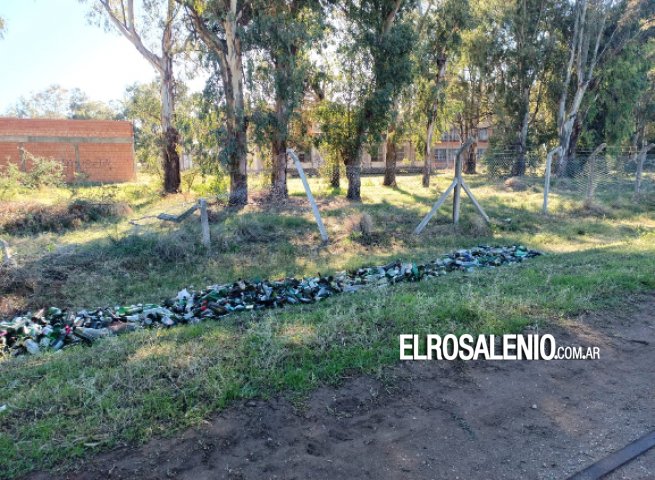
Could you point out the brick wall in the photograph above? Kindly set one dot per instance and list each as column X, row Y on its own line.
column 99, row 150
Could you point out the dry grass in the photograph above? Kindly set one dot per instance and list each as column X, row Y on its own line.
column 516, row 184
column 29, row 218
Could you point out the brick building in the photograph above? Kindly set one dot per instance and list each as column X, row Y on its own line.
column 91, row 150
column 447, row 146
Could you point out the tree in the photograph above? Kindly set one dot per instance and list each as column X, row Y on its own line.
column 142, row 105
column 384, row 40
column 219, row 24
column 601, row 31
column 195, row 118
column 522, row 41
column 440, row 29
column 159, row 17
column 56, row 101
column 284, row 31
column 469, row 91
column 81, row 107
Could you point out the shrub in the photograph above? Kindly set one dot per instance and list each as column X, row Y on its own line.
column 43, row 172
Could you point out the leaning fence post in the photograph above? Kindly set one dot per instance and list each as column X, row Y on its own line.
column 310, row 197
column 549, row 162
column 204, row 223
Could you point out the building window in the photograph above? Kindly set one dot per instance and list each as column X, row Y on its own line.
column 440, row 154
column 450, row 136
column 483, row 134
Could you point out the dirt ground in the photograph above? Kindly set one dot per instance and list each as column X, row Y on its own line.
column 433, row 420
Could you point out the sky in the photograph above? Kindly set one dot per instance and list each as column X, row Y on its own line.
column 51, row 42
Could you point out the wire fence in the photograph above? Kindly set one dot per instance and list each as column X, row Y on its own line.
column 586, row 177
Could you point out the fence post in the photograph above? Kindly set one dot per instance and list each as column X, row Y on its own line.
column 641, row 158
column 310, row 197
column 458, row 187
column 549, row 162
column 204, row 223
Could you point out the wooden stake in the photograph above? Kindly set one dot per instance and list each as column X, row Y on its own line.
column 310, row 197
column 204, row 222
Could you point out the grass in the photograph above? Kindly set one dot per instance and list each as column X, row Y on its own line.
column 124, row 390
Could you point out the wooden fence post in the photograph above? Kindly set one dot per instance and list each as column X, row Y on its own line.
column 204, row 223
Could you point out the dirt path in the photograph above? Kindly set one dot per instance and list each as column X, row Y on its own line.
column 434, row 420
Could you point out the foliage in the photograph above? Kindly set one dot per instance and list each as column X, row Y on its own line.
column 56, row 101
column 440, row 38
column 43, row 172
column 197, row 119
column 282, row 32
column 612, row 115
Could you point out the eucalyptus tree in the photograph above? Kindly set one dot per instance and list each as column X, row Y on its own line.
column 284, row 32
column 621, row 100
column 154, row 30
column 220, row 25
column 601, row 30
column 470, row 91
column 440, row 28
column 522, row 36
column 383, row 38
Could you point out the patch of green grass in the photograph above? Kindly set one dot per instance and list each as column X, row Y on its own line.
column 61, row 406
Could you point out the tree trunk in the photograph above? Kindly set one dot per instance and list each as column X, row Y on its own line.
column 237, row 164
column 470, row 165
column 585, row 64
column 239, row 177
column 229, row 55
column 567, row 167
column 427, row 165
column 170, row 154
column 335, row 174
column 519, row 165
column 279, row 173
column 353, row 174
column 390, row 163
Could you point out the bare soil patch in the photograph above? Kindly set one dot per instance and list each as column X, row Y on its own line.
column 433, row 420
